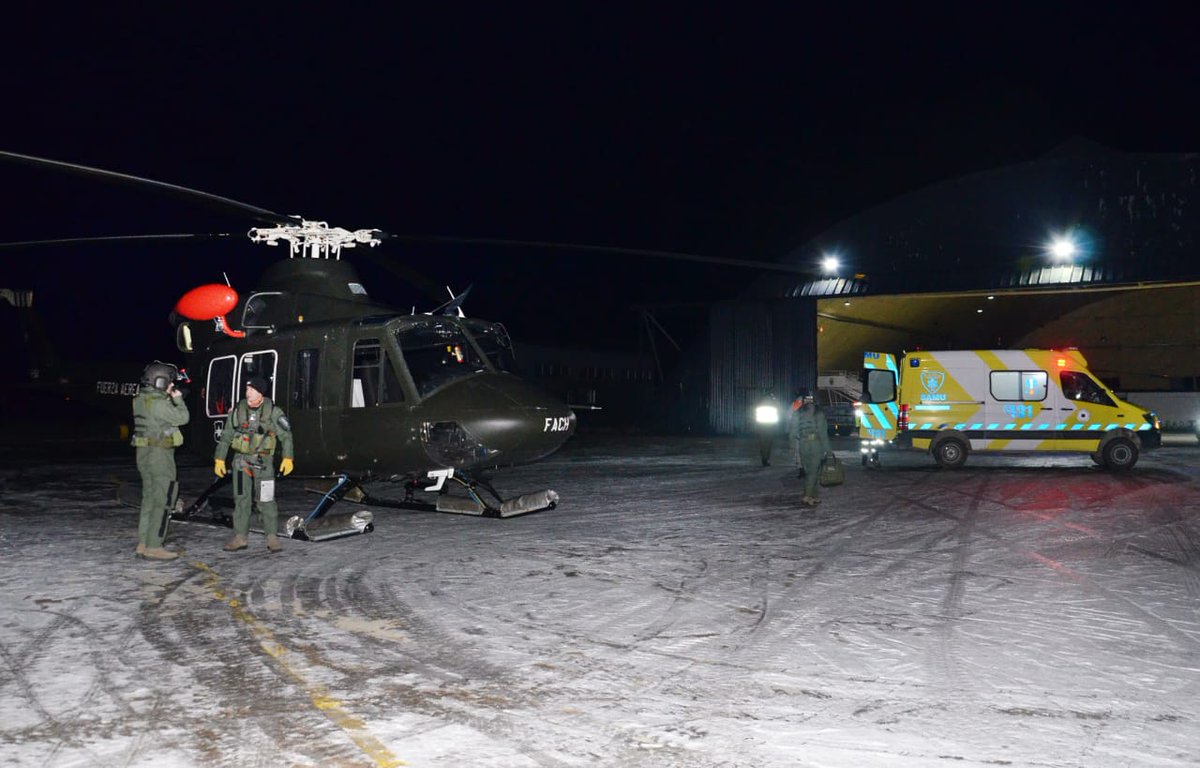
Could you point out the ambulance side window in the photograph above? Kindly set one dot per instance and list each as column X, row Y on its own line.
column 879, row 386
column 1019, row 386
column 1080, row 387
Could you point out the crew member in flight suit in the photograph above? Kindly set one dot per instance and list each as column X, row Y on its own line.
column 809, row 432
column 252, row 431
column 158, row 413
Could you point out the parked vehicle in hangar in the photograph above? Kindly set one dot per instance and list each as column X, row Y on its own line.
column 953, row 403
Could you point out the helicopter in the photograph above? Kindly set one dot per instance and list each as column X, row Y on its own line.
column 375, row 394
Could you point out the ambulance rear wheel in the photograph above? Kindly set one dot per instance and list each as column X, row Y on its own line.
column 950, row 453
column 1120, row 454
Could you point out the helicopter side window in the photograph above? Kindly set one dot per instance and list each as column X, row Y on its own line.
column 258, row 364
column 437, row 353
column 304, row 391
column 374, row 381
column 219, row 396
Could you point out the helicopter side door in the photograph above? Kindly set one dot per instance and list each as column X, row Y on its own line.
column 225, row 383
column 375, row 407
column 303, row 404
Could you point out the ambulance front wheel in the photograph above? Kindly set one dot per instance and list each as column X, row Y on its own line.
column 950, row 453
column 1120, row 454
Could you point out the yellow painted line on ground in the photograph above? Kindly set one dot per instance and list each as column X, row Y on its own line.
column 331, row 707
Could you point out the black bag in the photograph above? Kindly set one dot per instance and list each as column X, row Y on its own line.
column 833, row 472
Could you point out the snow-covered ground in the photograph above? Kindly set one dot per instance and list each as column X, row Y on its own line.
column 678, row 609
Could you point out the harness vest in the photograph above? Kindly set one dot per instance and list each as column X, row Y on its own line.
column 250, row 436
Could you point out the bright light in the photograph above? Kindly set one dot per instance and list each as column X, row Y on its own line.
column 766, row 414
column 830, row 263
column 1063, row 248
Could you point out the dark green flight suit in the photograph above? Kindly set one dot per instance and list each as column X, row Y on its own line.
column 809, row 432
column 157, row 418
column 252, row 434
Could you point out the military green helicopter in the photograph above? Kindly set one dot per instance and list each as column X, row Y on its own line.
column 374, row 394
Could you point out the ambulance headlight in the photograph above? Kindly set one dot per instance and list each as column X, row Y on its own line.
column 766, row 414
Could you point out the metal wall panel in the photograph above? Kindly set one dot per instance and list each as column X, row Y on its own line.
column 757, row 345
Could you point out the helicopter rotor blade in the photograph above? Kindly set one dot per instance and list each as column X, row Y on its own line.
column 400, row 271
column 180, row 237
column 773, row 266
column 259, row 214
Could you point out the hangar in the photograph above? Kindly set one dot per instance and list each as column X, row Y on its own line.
column 1082, row 247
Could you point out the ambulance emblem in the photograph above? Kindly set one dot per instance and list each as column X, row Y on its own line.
column 933, row 380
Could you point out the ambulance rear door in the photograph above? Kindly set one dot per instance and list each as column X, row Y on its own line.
column 880, row 393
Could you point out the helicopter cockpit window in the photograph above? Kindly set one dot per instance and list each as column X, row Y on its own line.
column 258, row 364
column 493, row 339
column 374, row 381
column 437, row 353
column 219, row 396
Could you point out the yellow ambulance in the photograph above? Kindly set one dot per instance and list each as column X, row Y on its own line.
column 953, row 403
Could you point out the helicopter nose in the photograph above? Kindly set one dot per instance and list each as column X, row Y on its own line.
column 493, row 420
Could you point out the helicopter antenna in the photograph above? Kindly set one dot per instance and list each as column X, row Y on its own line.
column 314, row 239
column 455, row 303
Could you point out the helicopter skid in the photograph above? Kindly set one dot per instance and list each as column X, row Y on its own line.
column 530, row 502
column 330, row 526
column 521, row 505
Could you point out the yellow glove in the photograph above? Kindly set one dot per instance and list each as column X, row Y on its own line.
column 285, row 466
column 219, row 467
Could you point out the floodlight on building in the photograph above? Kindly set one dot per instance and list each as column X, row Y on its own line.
column 1062, row 248
column 830, row 263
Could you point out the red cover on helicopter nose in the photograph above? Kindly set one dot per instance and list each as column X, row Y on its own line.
column 206, row 302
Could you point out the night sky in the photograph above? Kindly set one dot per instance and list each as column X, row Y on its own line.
column 735, row 134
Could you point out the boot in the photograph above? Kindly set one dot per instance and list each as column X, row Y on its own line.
column 158, row 553
column 236, row 543
column 273, row 543
column 809, row 501
column 141, row 549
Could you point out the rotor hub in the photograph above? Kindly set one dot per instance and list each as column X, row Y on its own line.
column 314, row 239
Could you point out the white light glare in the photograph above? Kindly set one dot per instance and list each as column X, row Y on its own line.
column 766, row 414
column 830, row 263
column 1062, row 248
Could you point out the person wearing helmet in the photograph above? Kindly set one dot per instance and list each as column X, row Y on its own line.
column 158, row 413
column 252, row 431
column 809, row 432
